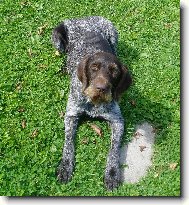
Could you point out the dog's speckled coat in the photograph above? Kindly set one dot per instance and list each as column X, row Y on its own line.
column 75, row 45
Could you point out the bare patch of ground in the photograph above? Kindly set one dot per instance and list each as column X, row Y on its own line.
column 136, row 156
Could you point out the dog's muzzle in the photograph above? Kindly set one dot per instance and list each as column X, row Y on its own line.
column 99, row 91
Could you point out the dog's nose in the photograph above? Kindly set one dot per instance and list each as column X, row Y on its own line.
column 102, row 88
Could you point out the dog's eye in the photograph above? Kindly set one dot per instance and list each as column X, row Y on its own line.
column 114, row 70
column 95, row 67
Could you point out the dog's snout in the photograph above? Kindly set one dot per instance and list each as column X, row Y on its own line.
column 101, row 84
column 102, row 87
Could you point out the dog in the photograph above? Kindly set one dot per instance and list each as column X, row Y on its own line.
column 98, row 79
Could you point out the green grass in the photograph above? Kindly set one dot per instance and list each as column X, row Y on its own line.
column 32, row 95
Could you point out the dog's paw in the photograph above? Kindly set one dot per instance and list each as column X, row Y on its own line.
column 112, row 178
column 65, row 170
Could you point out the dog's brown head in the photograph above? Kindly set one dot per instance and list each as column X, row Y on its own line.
column 103, row 77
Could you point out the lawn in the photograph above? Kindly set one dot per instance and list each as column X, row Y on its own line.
column 33, row 97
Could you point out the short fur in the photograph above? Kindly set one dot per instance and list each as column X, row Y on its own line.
column 94, row 89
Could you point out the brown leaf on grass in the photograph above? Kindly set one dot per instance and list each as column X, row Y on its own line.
column 42, row 66
column 35, row 133
column 133, row 103
column 19, row 86
column 25, row 3
column 30, row 52
column 142, row 147
column 154, row 130
column 94, row 141
column 85, row 141
column 167, row 25
column 21, row 109
column 97, row 129
column 61, row 114
column 137, row 135
column 23, row 124
column 156, row 175
column 57, row 53
column 41, row 29
column 173, row 166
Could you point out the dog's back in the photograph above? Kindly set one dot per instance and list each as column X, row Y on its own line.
column 70, row 32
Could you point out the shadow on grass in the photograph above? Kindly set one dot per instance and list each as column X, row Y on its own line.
column 127, row 54
column 137, row 108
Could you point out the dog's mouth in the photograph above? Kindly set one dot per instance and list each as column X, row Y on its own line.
column 98, row 96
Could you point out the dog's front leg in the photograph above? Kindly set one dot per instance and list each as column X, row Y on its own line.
column 66, row 167
column 112, row 172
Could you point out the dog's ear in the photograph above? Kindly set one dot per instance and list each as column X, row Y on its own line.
column 124, row 82
column 60, row 38
column 82, row 71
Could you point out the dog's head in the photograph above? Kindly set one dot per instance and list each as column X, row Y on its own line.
column 103, row 77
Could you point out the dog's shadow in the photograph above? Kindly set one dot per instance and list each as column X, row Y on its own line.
column 127, row 54
column 137, row 108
